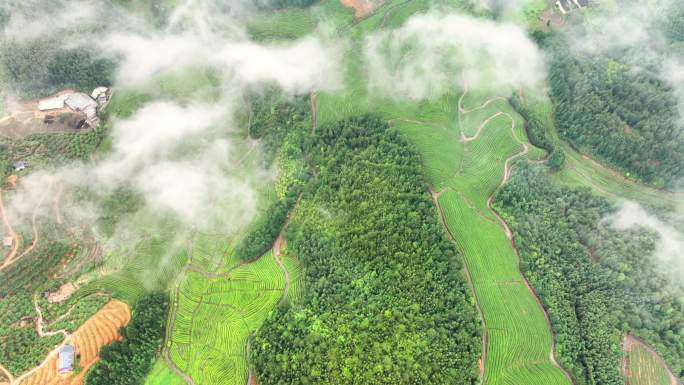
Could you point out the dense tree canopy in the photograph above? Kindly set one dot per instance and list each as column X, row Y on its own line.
column 38, row 68
column 538, row 135
column 625, row 115
column 597, row 283
column 386, row 300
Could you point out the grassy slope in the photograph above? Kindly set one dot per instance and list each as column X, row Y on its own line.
column 583, row 171
column 519, row 339
column 644, row 368
column 162, row 375
column 215, row 316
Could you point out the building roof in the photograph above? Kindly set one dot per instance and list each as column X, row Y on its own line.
column 53, row 102
column 65, row 362
column 80, row 102
column 99, row 91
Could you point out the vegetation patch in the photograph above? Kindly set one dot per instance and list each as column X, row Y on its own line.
column 127, row 361
column 214, row 315
column 518, row 341
column 385, row 300
column 598, row 283
column 642, row 366
column 625, row 117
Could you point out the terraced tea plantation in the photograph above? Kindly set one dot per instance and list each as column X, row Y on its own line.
column 465, row 174
column 216, row 311
column 642, row 366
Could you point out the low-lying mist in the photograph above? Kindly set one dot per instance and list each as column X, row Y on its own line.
column 669, row 253
column 183, row 154
column 434, row 53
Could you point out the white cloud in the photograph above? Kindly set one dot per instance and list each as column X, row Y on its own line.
column 673, row 73
column 670, row 245
column 180, row 156
column 32, row 19
column 299, row 67
column 427, row 56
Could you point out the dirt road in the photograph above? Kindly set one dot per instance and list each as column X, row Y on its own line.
column 463, row 110
column 277, row 254
column 10, row 232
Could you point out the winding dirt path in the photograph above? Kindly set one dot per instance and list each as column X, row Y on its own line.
column 7, row 374
column 8, row 227
column 40, row 321
column 463, row 110
column 504, row 180
column 34, row 228
column 466, row 139
column 99, row 330
column 277, row 255
column 278, row 246
column 509, row 233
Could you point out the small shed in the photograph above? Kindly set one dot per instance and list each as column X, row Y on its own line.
column 65, row 361
column 7, row 241
column 100, row 95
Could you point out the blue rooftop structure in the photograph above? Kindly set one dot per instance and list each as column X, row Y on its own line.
column 65, row 361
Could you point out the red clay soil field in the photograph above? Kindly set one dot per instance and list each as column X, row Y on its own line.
column 362, row 7
column 101, row 329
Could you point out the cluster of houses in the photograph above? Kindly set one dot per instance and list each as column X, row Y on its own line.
column 76, row 102
column 566, row 6
column 67, row 109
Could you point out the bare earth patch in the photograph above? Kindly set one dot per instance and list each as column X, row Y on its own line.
column 12, row 181
column 65, row 291
column 362, row 8
column 101, row 329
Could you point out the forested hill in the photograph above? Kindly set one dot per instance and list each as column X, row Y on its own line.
column 386, row 302
column 623, row 113
column 597, row 283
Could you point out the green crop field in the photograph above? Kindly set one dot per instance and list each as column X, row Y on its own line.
column 644, row 368
column 162, row 375
column 518, row 335
column 216, row 313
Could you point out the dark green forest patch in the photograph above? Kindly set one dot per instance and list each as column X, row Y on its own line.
column 621, row 113
column 596, row 282
column 386, row 301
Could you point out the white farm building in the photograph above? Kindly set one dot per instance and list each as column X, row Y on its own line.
column 77, row 101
